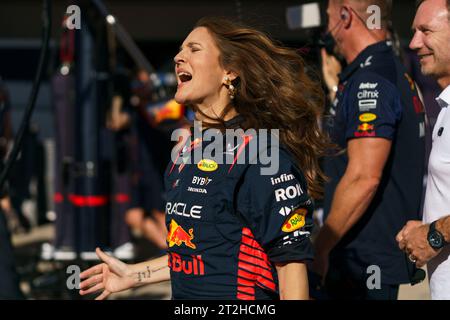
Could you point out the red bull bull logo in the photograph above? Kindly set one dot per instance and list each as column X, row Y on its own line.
column 366, row 127
column 177, row 236
column 365, row 130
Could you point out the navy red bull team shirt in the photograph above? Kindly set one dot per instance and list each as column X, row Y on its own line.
column 228, row 224
column 377, row 98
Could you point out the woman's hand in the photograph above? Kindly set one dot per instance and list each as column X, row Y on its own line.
column 108, row 277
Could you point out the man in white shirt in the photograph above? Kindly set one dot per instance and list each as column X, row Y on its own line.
column 427, row 242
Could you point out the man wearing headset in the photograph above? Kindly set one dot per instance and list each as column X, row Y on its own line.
column 375, row 181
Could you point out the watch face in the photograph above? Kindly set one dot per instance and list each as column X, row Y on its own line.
column 435, row 240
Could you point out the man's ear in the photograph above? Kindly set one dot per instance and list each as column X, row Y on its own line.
column 346, row 16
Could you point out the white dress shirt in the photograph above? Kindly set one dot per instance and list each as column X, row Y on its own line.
column 437, row 197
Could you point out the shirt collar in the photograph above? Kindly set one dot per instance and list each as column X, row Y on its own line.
column 362, row 60
column 233, row 123
column 444, row 98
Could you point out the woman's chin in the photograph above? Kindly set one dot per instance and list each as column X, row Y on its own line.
column 180, row 99
column 177, row 100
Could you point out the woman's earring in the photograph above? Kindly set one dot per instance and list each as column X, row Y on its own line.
column 231, row 88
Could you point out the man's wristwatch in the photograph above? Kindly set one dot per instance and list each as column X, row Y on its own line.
column 435, row 238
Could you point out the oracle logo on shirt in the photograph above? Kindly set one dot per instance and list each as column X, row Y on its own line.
column 182, row 209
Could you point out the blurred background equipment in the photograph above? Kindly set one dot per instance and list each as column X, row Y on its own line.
column 305, row 16
column 9, row 281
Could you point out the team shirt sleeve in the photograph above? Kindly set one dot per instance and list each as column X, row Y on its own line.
column 278, row 211
column 372, row 108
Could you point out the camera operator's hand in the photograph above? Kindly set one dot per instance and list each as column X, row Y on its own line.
column 109, row 277
column 331, row 68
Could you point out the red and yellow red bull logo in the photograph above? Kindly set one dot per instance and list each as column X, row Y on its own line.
column 177, row 236
column 365, row 130
column 366, row 127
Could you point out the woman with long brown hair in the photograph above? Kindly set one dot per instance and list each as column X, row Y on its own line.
column 234, row 231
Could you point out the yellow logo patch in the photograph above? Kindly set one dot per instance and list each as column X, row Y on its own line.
column 367, row 117
column 295, row 221
column 207, row 165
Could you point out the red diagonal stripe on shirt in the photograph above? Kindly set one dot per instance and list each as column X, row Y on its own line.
column 268, row 283
column 253, row 252
column 247, row 232
column 242, row 296
column 194, row 144
column 245, row 283
column 251, row 243
column 247, row 139
column 255, row 269
column 251, row 259
column 248, row 290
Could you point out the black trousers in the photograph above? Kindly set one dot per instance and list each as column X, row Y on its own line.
column 9, row 280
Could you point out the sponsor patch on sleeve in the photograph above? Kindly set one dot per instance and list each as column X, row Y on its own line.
column 295, row 221
column 365, row 130
column 367, row 117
